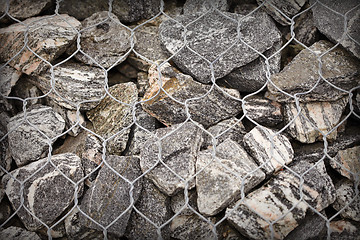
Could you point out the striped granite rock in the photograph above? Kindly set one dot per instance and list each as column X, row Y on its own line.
column 48, row 37
column 221, row 181
column 347, row 161
column 323, row 115
column 15, row 233
column 26, row 143
column 275, row 199
column 258, row 142
column 25, row 8
column 59, row 191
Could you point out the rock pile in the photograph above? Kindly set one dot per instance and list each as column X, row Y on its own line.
column 188, row 120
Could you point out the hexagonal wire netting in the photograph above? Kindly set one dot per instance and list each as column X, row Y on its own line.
column 265, row 185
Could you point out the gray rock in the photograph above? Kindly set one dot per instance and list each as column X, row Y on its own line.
column 15, row 233
column 321, row 115
column 142, row 83
column 58, row 231
column 344, row 230
column 331, row 24
column 156, row 207
column 47, row 193
column 26, row 143
column 178, row 202
column 301, row 75
column 347, row 162
column 273, row 201
column 208, row 110
column 222, row 180
column 211, row 46
column 5, row 156
column 258, row 142
column 105, row 117
column 24, row 9
column 26, row 90
column 193, row 6
column 110, row 196
column 47, row 37
column 178, row 151
column 346, row 200
column 8, row 78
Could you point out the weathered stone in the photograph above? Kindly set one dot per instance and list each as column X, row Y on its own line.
column 222, row 180
column 347, row 161
column 331, row 23
column 25, row 8
column 229, row 233
column 273, row 201
column 142, row 83
column 5, row 156
column 15, row 233
column 223, row 34
column 344, row 230
column 289, row 8
column 47, row 193
column 321, row 115
column 178, row 202
column 263, row 111
column 8, row 78
column 111, row 117
column 156, row 207
column 178, row 151
column 271, row 159
column 346, row 198
column 47, row 36
column 57, row 231
column 26, row 143
column 208, row 110
column 127, row 70
column 196, row 6
column 302, row 74
column 26, row 90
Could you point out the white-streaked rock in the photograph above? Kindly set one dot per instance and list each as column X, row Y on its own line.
column 347, row 162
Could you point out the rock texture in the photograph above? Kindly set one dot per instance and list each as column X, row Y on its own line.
column 25, row 8
column 271, row 159
column 179, row 152
column 167, row 103
column 344, row 229
column 26, row 143
column 14, row 233
column 194, row 6
column 178, row 202
column 222, row 180
column 5, row 156
column 8, row 78
column 47, row 37
column 47, row 193
column 347, row 162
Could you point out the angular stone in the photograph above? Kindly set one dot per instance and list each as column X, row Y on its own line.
column 5, row 156
column 142, row 83
column 25, row 8
column 196, row 6
column 26, row 143
column 156, row 207
column 75, row 84
column 346, row 198
column 178, row 151
column 301, row 75
column 178, row 202
column 111, row 117
column 8, row 78
column 275, row 199
column 347, row 160
column 14, row 233
column 323, row 115
column 222, row 180
column 258, row 142
column 109, row 197
column 263, row 111
column 289, row 8
column 344, row 230
column 208, row 110
column 47, row 36
column 223, row 34
column 47, row 193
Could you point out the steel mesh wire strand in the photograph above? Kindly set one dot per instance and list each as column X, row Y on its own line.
column 158, row 140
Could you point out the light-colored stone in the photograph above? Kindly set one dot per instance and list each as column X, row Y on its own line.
column 347, row 161
column 16, row 233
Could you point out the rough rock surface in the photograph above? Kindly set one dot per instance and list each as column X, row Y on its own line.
column 349, row 159
column 47, row 37
column 15, row 233
column 25, row 90
column 196, row 6
column 26, row 143
column 208, row 110
column 142, row 83
column 344, row 230
column 258, row 142
column 47, row 193
column 301, row 75
column 5, row 156
column 221, row 181
column 155, row 206
column 323, row 115
column 25, row 8
column 275, row 198
column 179, row 152
column 178, row 202
column 8, row 78
column 104, row 210
column 111, row 116
column 331, row 24
column 212, row 35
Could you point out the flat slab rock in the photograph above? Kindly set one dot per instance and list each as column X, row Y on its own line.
column 321, row 115
column 47, row 37
column 26, row 143
column 109, row 196
column 258, row 142
column 218, row 105
column 14, row 233
column 59, row 191
column 223, row 34
column 347, row 162
column 275, row 198
column 178, row 151
column 301, row 74
column 221, row 181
